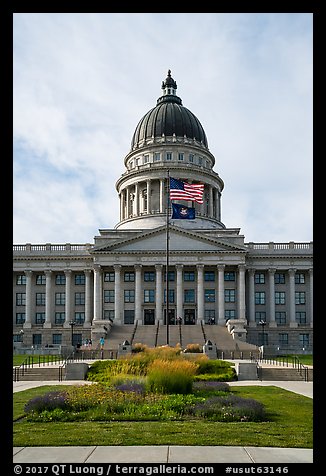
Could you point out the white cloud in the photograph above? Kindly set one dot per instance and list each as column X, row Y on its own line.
column 83, row 81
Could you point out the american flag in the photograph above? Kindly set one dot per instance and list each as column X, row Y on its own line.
column 185, row 191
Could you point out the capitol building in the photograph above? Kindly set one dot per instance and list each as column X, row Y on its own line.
column 196, row 272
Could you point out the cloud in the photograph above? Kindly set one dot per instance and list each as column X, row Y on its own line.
column 83, row 81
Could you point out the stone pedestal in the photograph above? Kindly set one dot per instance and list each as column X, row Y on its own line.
column 124, row 348
column 246, row 370
column 210, row 350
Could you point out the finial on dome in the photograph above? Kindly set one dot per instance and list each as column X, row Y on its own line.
column 169, row 85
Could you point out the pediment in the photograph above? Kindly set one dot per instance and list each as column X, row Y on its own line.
column 179, row 240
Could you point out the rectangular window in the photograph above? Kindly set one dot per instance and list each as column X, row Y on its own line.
column 200, row 161
column 149, row 295
column 80, row 279
column 169, row 156
column 146, row 159
column 129, row 295
column 209, row 276
column 60, row 279
column 299, row 278
column 279, row 297
column 280, row 318
column 189, row 295
column 149, row 276
column 260, row 297
column 283, row 339
column 109, row 295
column 181, row 156
column 300, row 297
column 109, row 277
column 209, row 295
column 260, row 316
column 171, row 276
column 209, row 316
column 40, row 318
column 157, row 156
column 229, row 276
column 37, row 339
column 40, row 279
column 189, row 276
column 229, row 295
column 60, row 299
column 20, row 279
column 300, row 318
column 129, row 316
column 57, row 339
column 79, row 299
column 304, row 340
column 20, row 318
column 230, row 314
column 259, row 278
column 40, row 299
column 20, row 299
column 191, row 158
column 129, row 276
column 108, row 314
column 279, row 278
column 79, row 317
column 171, row 295
column 59, row 317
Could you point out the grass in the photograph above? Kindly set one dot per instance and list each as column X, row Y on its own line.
column 35, row 358
column 290, row 425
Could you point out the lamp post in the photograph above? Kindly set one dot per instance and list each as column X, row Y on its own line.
column 72, row 323
column 262, row 323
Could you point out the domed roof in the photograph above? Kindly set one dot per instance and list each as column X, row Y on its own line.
column 169, row 117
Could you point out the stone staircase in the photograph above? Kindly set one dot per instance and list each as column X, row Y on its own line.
column 39, row 373
column 227, row 347
column 283, row 373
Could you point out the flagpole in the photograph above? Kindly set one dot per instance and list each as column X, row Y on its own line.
column 167, row 257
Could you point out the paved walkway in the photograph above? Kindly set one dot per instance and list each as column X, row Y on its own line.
column 166, row 454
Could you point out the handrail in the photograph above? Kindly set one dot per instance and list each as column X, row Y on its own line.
column 28, row 362
column 180, row 332
column 285, row 362
column 133, row 333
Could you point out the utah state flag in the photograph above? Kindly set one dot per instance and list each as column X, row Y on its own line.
column 180, row 211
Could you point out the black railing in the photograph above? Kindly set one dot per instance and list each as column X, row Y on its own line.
column 34, row 360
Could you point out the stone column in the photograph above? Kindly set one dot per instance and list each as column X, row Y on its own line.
column 28, row 306
column 293, row 322
column 68, row 308
column 221, row 313
column 48, row 298
column 251, row 272
column 149, row 201
column 311, row 299
column 271, row 283
column 97, row 292
column 161, row 195
column 138, row 295
column 117, row 294
column 127, row 202
column 88, row 298
column 241, row 292
column 217, row 204
column 122, row 205
column 200, row 293
column 179, row 268
column 136, row 202
column 211, row 213
column 159, row 294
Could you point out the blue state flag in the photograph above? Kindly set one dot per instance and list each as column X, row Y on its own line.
column 180, row 211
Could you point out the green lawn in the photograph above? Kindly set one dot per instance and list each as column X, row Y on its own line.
column 290, row 425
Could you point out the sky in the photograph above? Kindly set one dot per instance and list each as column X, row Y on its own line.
column 83, row 81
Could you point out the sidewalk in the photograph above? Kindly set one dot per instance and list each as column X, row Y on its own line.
column 161, row 454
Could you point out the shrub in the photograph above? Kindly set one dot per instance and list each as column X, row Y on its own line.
column 230, row 408
column 193, row 348
column 171, row 376
column 48, row 401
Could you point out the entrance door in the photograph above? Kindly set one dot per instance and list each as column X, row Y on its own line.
column 190, row 317
column 171, row 316
column 149, row 317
